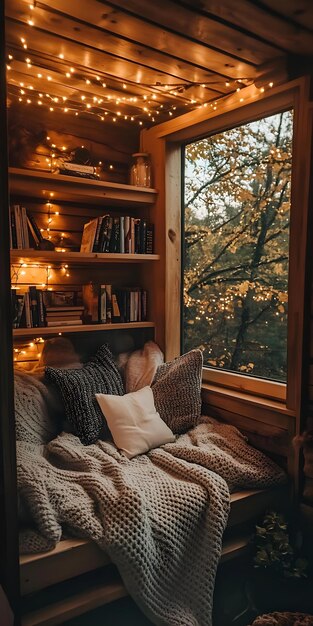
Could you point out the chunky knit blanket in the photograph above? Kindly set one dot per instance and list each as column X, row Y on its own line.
column 159, row 516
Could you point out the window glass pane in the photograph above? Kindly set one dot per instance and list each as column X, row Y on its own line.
column 236, row 241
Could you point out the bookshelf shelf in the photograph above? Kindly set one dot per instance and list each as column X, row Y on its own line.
column 56, row 187
column 84, row 328
column 78, row 258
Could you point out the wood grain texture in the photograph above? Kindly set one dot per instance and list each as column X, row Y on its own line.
column 267, row 25
column 9, row 574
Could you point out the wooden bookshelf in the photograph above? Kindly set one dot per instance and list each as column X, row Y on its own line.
column 78, row 258
column 57, row 188
column 80, row 328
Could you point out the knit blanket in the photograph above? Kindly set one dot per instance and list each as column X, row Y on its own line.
column 159, row 516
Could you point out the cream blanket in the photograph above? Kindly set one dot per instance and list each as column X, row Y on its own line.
column 159, row 516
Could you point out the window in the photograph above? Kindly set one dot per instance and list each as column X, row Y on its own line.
column 236, row 247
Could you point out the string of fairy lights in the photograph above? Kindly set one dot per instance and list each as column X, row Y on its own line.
column 104, row 98
column 107, row 106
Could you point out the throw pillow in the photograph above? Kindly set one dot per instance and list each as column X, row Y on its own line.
column 34, row 421
column 177, row 391
column 139, row 367
column 78, row 388
column 135, row 425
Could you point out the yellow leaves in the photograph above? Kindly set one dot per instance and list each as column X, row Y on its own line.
column 243, row 288
column 281, row 308
column 282, row 296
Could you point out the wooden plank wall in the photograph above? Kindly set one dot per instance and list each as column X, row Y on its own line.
column 306, row 452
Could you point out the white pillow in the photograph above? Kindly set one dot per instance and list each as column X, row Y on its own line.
column 135, row 425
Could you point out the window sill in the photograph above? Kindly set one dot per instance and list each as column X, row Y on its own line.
column 209, row 392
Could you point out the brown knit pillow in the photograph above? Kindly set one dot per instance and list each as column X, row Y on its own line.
column 177, row 391
column 284, row 619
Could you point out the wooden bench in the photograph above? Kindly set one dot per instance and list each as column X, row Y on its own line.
column 76, row 576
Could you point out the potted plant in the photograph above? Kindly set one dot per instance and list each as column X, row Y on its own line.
column 279, row 580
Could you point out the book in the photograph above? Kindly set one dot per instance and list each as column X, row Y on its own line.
column 143, row 236
column 116, row 314
column 91, row 302
column 114, row 243
column 13, row 237
column 88, row 235
column 41, row 309
column 150, row 239
column 77, row 167
column 108, row 289
column 52, row 318
column 24, row 228
column 127, row 235
column 137, row 236
column 102, row 305
column 56, row 323
column 106, row 235
column 18, row 226
column 97, row 235
column 34, row 230
column 34, row 306
column 58, row 309
column 28, row 319
column 122, row 234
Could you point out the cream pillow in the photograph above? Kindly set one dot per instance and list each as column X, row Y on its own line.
column 135, row 425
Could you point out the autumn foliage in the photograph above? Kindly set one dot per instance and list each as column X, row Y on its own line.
column 237, row 213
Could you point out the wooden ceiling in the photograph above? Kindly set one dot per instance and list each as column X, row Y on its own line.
column 143, row 62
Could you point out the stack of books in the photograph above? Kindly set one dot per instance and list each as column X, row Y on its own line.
column 106, row 305
column 122, row 234
column 64, row 316
column 76, row 169
column 37, row 308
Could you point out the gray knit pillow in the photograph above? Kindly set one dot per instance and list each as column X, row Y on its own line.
column 78, row 388
column 34, row 417
column 177, row 391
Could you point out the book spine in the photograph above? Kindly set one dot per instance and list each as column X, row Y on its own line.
column 122, row 235
column 132, row 234
column 116, row 314
column 14, row 307
column 13, row 230
column 97, row 235
column 18, row 224
column 107, row 234
column 137, row 236
column 143, row 305
column 56, row 323
column 35, row 231
column 28, row 319
column 127, row 234
column 150, row 239
column 143, row 237
column 102, row 305
column 24, row 227
column 34, row 306
column 108, row 289
column 41, row 309
column 112, row 236
column 116, row 234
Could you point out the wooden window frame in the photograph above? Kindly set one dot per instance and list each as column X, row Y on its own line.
column 165, row 142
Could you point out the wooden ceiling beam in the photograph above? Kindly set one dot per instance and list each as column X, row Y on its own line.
column 182, row 20
column 297, row 11
column 146, row 45
column 262, row 23
column 50, row 45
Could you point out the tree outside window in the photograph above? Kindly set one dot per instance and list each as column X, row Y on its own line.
column 236, row 242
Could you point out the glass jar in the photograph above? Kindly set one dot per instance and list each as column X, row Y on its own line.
column 140, row 172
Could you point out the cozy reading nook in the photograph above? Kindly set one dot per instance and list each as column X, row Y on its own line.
column 140, row 444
